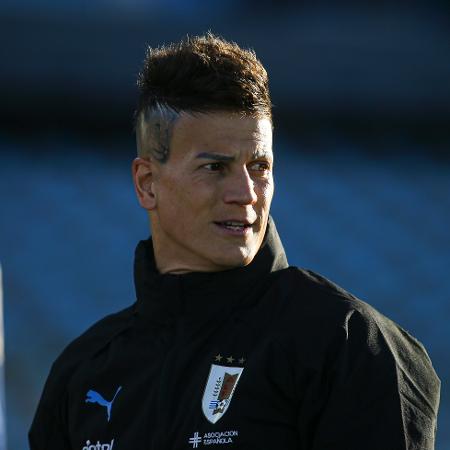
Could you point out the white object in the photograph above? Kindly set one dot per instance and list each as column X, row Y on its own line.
column 2, row 373
column 219, row 390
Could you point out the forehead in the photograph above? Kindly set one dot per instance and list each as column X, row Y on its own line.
column 222, row 132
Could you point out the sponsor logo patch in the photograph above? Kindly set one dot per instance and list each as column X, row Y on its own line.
column 98, row 446
column 213, row 438
column 95, row 397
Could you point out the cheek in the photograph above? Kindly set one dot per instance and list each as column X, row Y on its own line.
column 171, row 198
column 172, row 186
column 185, row 198
column 266, row 195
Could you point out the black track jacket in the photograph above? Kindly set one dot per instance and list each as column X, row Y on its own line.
column 262, row 357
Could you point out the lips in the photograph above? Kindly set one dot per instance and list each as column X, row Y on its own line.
column 232, row 225
column 235, row 225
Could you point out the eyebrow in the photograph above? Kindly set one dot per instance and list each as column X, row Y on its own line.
column 215, row 156
column 219, row 157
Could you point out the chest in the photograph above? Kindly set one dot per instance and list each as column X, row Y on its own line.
column 218, row 386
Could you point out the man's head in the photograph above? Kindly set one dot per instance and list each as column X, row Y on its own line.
column 204, row 137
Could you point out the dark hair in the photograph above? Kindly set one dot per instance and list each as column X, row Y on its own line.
column 203, row 74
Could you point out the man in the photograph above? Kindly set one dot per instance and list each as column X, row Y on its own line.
column 227, row 346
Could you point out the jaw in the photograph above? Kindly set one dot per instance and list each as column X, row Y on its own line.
column 211, row 250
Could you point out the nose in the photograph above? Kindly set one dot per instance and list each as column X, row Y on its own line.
column 240, row 189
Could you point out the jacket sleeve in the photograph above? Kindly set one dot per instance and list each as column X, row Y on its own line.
column 380, row 391
column 49, row 428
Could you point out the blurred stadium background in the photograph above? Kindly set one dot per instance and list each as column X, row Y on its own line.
column 362, row 109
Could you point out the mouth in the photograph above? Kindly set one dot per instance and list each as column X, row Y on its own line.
column 235, row 225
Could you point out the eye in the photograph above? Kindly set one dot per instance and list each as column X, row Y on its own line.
column 260, row 166
column 214, row 167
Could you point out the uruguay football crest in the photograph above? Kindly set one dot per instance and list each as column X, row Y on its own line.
column 219, row 390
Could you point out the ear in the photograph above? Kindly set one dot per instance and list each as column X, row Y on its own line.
column 143, row 177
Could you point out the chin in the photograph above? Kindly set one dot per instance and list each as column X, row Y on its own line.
column 238, row 258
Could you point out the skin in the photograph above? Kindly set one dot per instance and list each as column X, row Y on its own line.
column 220, row 168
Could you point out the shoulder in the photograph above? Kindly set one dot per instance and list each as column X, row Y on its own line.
column 311, row 295
column 335, row 320
column 308, row 291
column 364, row 372
column 86, row 345
column 49, row 423
column 99, row 333
column 314, row 296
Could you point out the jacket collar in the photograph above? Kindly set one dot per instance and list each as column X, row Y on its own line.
column 164, row 297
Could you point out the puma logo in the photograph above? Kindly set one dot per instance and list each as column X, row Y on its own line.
column 95, row 397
